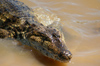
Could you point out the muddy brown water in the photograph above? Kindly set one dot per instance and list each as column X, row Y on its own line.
column 80, row 21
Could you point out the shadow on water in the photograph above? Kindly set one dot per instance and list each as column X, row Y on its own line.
column 43, row 59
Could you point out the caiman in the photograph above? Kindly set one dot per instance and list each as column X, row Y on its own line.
column 18, row 22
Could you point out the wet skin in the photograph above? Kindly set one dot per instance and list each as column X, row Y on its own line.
column 17, row 21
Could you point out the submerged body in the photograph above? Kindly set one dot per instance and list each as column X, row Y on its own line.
column 18, row 22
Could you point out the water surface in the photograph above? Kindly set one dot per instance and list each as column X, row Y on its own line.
column 80, row 21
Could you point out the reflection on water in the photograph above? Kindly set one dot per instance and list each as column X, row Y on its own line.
column 80, row 20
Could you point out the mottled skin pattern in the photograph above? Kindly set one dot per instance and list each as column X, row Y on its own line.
column 18, row 22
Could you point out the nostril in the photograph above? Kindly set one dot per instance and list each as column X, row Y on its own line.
column 69, row 56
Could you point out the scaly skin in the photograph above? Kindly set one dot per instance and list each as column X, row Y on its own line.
column 18, row 22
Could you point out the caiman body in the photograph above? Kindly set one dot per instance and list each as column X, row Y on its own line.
column 18, row 22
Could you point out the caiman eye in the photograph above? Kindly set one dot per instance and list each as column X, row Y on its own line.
column 56, row 35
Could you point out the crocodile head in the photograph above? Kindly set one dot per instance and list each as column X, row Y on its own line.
column 49, row 42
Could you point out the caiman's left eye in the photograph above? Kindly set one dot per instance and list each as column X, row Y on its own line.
column 56, row 35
